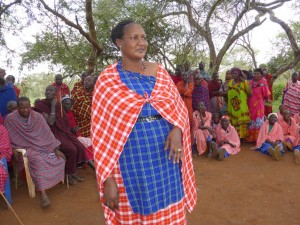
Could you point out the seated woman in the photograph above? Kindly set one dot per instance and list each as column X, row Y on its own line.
column 202, row 130
column 270, row 138
column 280, row 113
column 5, row 151
column 228, row 141
column 66, row 102
column 297, row 118
column 290, row 131
column 215, row 122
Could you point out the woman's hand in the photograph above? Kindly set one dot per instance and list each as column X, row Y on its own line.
column 173, row 143
column 111, row 193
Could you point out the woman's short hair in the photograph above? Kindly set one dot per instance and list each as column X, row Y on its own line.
column 259, row 70
column 118, row 31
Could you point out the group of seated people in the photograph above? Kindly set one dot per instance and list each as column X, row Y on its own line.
column 55, row 134
column 56, row 131
column 224, row 115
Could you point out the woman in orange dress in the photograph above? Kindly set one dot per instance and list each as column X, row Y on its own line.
column 185, row 89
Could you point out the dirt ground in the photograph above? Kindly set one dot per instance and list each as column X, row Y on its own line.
column 249, row 188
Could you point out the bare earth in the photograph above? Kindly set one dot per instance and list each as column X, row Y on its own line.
column 249, row 188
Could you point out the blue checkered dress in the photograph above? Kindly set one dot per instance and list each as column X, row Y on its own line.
column 152, row 181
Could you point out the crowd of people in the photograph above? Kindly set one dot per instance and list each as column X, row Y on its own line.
column 244, row 101
column 137, row 125
column 55, row 131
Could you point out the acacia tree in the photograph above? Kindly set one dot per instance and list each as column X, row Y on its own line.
column 220, row 23
column 290, row 60
column 60, row 43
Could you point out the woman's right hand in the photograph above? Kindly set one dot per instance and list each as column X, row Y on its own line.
column 111, row 193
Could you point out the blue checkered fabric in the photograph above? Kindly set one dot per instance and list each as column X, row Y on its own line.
column 152, row 181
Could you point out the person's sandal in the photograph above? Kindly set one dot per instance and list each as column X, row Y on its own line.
column 45, row 203
column 77, row 178
column 71, row 180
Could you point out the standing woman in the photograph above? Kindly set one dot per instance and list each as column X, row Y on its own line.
column 260, row 93
column 291, row 96
column 214, row 93
column 185, row 88
column 238, row 92
column 141, row 137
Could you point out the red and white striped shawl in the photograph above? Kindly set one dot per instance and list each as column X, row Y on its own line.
column 115, row 110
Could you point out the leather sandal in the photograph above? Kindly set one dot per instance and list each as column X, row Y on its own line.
column 77, row 177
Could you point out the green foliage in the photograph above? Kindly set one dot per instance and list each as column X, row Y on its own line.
column 277, row 90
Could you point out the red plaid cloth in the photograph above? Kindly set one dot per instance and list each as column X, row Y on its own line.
column 82, row 103
column 5, row 147
column 36, row 137
column 3, row 177
column 5, row 151
column 115, row 110
column 77, row 86
column 62, row 90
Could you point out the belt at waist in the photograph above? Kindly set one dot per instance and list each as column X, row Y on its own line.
column 149, row 118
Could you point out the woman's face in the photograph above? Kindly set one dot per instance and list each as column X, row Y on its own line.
column 228, row 77
column 257, row 76
column 67, row 104
column 133, row 44
column 216, row 118
column 198, row 79
column 185, row 76
column 294, row 77
column 201, row 107
column 272, row 119
column 235, row 75
column 215, row 76
column 224, row 123
column 88, row 83
column 50, row 92
column 286, row 115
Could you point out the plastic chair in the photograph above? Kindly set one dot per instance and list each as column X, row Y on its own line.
column 30, row 184
column 7, row 192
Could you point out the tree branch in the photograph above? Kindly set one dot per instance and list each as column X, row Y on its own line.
column 76, row 26
column 8, row 6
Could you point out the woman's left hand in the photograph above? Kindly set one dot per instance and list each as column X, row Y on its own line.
column 174, row 143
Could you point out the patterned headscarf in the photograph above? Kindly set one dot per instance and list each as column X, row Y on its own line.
column 236, row 70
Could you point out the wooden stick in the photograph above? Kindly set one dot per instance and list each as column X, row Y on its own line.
column 11, row 209
column 61, row 112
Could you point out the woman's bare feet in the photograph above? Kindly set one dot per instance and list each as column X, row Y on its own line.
column 45, row 201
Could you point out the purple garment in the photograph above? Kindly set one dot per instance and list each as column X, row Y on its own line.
column 200, row 94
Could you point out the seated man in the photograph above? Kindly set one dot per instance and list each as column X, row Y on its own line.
column 5, row 151
column 270, row 138
column 59, row 123
column 227, row 140
column 28, row 129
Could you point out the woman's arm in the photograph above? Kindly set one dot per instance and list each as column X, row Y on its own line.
column 51, row 118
